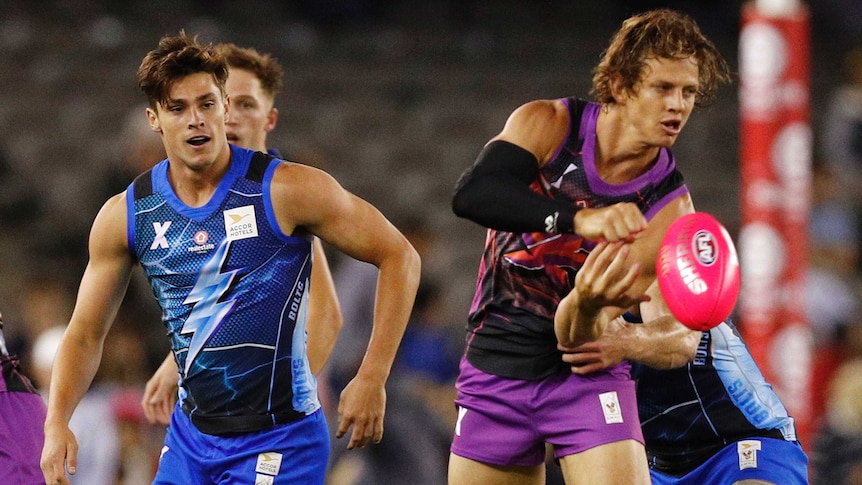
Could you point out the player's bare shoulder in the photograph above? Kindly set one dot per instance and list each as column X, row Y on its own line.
column 538, row 126
column 301, row 194
column 541, row 113
column 292, row 179
column 114, row 210
column 109, row 230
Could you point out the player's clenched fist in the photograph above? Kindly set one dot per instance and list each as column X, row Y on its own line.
column 618, row 222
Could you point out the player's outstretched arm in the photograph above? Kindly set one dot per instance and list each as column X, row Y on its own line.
column 78, row 356
column 662, row 342
column 308, row 198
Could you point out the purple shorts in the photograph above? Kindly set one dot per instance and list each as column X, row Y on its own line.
column 22, row 418
column 507, row 422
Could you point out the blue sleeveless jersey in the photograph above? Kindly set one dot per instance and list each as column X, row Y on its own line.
column 721, row 397
column 523, row 277
column 233, row 291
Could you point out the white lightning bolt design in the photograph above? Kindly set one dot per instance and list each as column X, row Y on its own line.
column 208, row 313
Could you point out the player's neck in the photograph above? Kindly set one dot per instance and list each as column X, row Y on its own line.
column 619, row 155
column 195, row 185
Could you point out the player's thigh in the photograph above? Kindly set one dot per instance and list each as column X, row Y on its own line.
column 464, row 471
column 617, row 462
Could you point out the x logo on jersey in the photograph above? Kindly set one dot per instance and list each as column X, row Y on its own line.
column 161, row 239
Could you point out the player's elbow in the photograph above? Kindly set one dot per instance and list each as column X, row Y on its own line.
column 336, row 321
column 403, row 262
column 687, row 350
column 414, row 262
column 691, row 342
column 462, row 200
column 413, row 270
column 330, row 316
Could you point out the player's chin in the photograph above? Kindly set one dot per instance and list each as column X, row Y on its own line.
column 666, row 141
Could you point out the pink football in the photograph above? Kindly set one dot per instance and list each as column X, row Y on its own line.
column 698, row 271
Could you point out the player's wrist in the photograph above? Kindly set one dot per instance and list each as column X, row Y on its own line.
column 376, row 373
column 562, row 221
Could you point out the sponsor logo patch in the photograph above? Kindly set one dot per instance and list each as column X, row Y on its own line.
column 202, row 244
column 240, row 223
column 747, row 451
column 268, row 463
column 263, row 479
column 611, row 407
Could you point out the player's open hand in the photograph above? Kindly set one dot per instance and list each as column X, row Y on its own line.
column 362, row 406
column 618, row 222
column 160, row 393
column 603, row 287
column 59, row 454
column 607, row 277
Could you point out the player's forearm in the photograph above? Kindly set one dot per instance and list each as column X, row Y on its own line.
column 75, row 366
column 662, row 343
column 397, row 283
column 574, row 325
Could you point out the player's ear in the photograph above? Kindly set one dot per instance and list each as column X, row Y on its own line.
column 271, row 120
column 618, row 91
column 153, row 118
column 226, row 108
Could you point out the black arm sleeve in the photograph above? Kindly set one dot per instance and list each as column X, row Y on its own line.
column 495, row 192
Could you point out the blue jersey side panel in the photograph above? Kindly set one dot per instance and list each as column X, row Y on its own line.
column 746, row 386
column 719, row 398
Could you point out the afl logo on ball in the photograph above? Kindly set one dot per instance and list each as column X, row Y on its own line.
column 704, row 246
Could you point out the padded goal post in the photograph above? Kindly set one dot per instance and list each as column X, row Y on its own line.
column 775, row 169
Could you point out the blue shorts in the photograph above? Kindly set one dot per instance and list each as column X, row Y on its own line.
column 777, row 461
column 294, row 453
column 508, row 421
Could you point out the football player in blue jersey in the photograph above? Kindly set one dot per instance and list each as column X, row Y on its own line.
column 254, row 81
column 224, row 235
